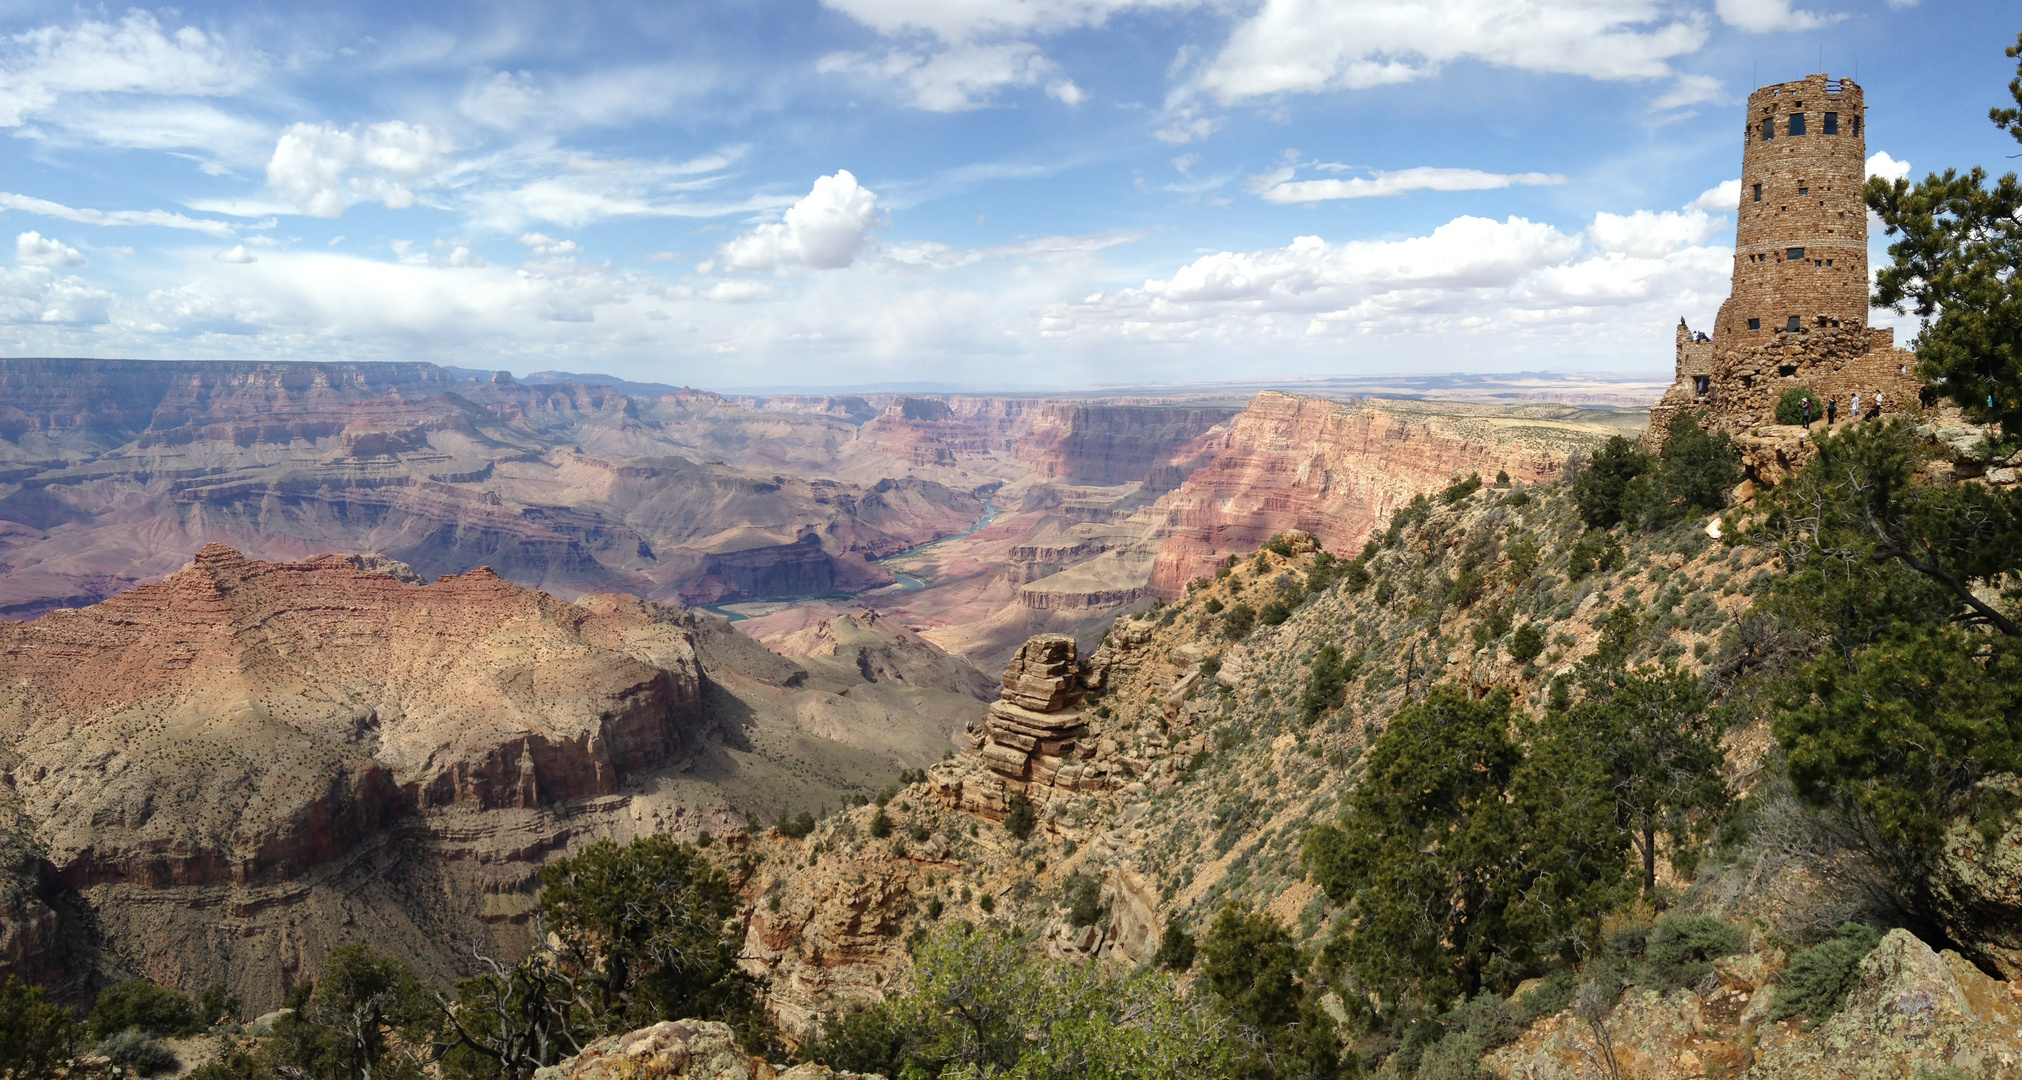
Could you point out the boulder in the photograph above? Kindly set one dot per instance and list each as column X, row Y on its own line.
column 679, row 1050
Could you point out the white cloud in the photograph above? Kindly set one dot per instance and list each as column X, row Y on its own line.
column 1718, row 199
column 1185, row 124
column 605, row 95
column 1888, row 168
column 928, row 255
column 1279, row 187
column 237, row 254
column 574, row 190
column 548, row 245
column 1690, row 90
column 1764, row 16
column 741, row 291
column 1651, row 235
column 133, row 56
column 84, row 216
column 1304, row 46
column 310, row 162
column 822, row 231
column 35, row 295
column 34, row 249
column 964, row 20
column 1470, row 277
column 959, row 77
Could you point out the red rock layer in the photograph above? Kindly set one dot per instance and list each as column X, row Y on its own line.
column 241, row 719
column 1331, row 469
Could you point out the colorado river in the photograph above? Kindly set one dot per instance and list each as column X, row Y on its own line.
column 903, row 582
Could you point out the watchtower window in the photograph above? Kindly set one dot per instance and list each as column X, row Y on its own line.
column 1701, row 384
column 1768, row 128
column 1758, row 193
column 1794, row 254
column 1857, row 125
column 1755, row 324
column 1794, row 325
column 1831, row 124
column 1804, row 191
column 1796, row 123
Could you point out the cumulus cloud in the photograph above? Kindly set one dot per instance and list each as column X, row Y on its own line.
column 1718, row 199
column 34, row 295
column 1469, row 276
column 1304, row 46
column 310, row 163
column 548, row 245
column 823, row 231
column 1650, row 235
column 85, row 216
column 1279, row 187
column 237, row 254
column 957, row 78
column 1888, row 168
column 133, row 56
column 34, row 249
column 1765, row 16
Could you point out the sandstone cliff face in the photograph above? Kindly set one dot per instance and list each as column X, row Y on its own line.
column 1336, row 471
column 327, row 697
column 241, row 766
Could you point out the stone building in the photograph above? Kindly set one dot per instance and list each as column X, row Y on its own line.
column 1796, row 313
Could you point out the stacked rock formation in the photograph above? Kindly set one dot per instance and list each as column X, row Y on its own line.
column 1031, row 729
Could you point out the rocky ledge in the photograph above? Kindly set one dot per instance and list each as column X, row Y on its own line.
column 680, row 1050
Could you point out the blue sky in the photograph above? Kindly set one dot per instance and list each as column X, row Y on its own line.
column 1015, row 193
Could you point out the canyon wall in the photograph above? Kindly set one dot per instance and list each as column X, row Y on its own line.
column 1098, row 443
column 1338, row 470
column 112, row 471
column 236, row 768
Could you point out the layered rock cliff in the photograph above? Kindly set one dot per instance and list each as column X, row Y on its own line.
column 247, row 763
column 1335, row 470
column 112, row 471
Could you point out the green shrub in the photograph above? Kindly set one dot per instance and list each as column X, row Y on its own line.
column 1819, row 978
column 1790, row 407
column 1682, row 948
column 1274, row 613
column 1021, row 819
column 881, row 826
column 1238, row 622
column 37, row 1035
column 1550, row 998
column 1526, row 643
column 1601, row 488
column 1084, row 900
column 144, row 1007
column 1460, row 489
column 1175, row 949
column 1279, row 546
column 797, row 826
column 138, row 1052
column 1212, row 606
column 1327, row 683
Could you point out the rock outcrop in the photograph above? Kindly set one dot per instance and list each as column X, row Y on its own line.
column 680, row 1050
column 1336, row 470
column 245, row 764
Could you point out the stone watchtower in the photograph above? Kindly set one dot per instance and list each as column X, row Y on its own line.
column 1796, row 313
column 1801, row 234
